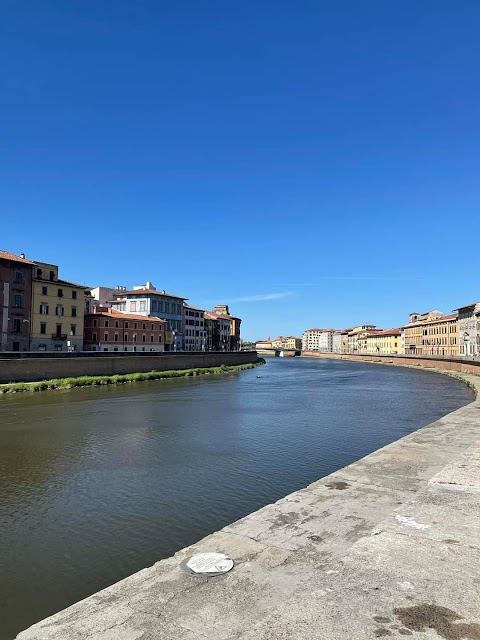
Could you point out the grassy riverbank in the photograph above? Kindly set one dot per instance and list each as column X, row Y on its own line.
column 91, row 381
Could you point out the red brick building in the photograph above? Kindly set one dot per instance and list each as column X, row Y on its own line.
column 107, row 329
column 16, row 274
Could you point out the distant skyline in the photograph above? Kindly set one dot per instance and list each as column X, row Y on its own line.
column 309, row 163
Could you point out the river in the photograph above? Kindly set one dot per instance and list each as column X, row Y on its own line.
column 98, row 483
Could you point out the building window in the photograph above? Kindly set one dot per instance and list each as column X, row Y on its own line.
column 133, row 305
column 94, row 337
column 151, row 338
column 39, row 273
column 60, row 293
column 59, row 310
column 18, row 277
column 43, row 328
column 106, row 323
column 16, row 325
column 115, row 348
column 126, row 325
column 95, row 323
column 159, row 338
column 17, row 300
column 135, row 325
column 73, row 329
column 116, row 324
column 134, row 337
column 144, row 326
column 152, row 327
column 52, row 276
column 58, row 347
column 74, row 295
column 44, row 291
column 143, row 306
column 42, row 347
column 74, row 312
column 144, row 338
column 44, row 309
column 116, row 337
column 105, row 337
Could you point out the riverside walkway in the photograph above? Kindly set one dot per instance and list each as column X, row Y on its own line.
column 386, row 547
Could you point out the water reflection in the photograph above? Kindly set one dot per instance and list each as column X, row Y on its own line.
column 98, row 483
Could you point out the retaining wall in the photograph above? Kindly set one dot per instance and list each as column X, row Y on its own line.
column 36, row 369
column 430, row 362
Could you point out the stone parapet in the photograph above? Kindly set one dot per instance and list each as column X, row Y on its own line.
column 46, row 368
column 445, row 364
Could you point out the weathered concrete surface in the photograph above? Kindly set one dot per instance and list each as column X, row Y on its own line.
column 389, row 546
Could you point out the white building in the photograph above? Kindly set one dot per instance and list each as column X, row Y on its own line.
column 355, row 333
column 103, row 296
column 318, row 340
column 195, row 338
column 468, row 333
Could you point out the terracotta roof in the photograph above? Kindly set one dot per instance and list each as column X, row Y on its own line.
column 465, row 306
column 5, row 255
column 75, row 284
column 152, row 292
column 113, row 313
column 224, row 315
column 430, row 321
column 387, row 332
column 189, row 306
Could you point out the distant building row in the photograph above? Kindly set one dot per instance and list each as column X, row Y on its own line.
column 430, row 333
column 282, row 342
column 41, row 312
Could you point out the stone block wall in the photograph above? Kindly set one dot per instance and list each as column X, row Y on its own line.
column 34, row 369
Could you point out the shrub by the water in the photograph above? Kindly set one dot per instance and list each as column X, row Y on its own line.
column 88, row 381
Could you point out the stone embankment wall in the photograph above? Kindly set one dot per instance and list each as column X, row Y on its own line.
column 459, row 365
column 36, row 369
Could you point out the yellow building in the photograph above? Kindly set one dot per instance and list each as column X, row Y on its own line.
column 287, row 342
column 263, row 344
column 58, row 308
column 388, row 341
column 434, row 336
column 362, row 340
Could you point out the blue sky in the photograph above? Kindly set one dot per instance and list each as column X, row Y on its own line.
column 311, row 163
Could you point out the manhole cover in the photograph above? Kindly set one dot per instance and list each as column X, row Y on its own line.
column 207, row 564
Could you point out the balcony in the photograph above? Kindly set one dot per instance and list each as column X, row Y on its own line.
column 59, row 336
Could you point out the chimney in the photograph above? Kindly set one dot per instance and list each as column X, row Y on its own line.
column 22, row 255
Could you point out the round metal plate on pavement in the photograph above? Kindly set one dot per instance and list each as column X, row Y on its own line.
column 207, row 564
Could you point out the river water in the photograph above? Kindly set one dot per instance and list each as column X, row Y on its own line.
column 98, row 483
